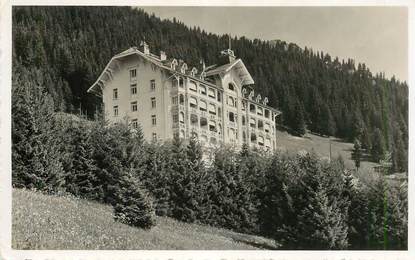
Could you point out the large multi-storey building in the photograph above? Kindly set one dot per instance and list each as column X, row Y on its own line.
column 166, row 98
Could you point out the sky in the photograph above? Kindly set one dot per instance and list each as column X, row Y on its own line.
column 376, row 36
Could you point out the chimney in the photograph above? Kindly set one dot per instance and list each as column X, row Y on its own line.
column 163, row 56
column 146, row 49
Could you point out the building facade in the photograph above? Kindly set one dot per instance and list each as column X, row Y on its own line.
column 166, row 98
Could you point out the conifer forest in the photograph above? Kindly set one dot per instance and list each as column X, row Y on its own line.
column 62, row 144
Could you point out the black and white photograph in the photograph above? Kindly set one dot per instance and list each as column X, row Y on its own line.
column 267, row 128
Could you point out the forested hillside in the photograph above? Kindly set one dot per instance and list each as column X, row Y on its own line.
column 66, row 48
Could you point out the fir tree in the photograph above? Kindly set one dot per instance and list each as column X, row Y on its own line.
column 36, row 156
column 378, row 145
column 132, row 205
column 357, row 153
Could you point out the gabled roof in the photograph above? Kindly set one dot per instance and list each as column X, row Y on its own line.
column 240, row 68
column 112, row 64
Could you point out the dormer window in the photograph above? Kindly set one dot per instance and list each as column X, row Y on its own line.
column 202, row 75
column 173, row 64
column 193, row 72
column 183, row 68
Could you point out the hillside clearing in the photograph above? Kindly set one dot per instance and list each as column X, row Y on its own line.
column 51, row 222
column 321, row 146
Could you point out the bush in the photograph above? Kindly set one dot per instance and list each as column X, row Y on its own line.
column 132, row 205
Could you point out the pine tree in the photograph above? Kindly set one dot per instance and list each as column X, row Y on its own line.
column 378, row 145
column 357, row 153
column 36, row 157
column 299, row 121
column 132, row 205
column 322, row 223
column 357, row 217
column 80, row 176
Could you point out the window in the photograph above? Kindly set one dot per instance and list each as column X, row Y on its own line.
column 243, row 120
column 212, row 126
column 243, row 105
column 219, row 128
column 133, row 89
column 252, row 108
column 202, row 106
column 175, row 118
column 266, row 113
column 193, row 102
column 175, row 83
column 134, row 123
column 153, row 120
column 219, row 111
column 231, row 101
column 134, row 106
column 203, row 122
column 174, row 100
column 260, row 111
column 181, row 117
column 154, row 137
column 193, row 86
column 181, row 82
column 231, row 87
column 115, row 110
column 194, row 119
column 267, row 127
column 212, row 109
column 261, row 141
column 181, row 97
column 152, row 85
column 202, row 90
column 133, row 74
column 244, row 136
column 219, row 96
column 268, row 142
column 153, row 102
column 115, row 93
column 211, row 93
column 252, row 123
column 231, row 116
column 182, row 134
column 253, row 137
column 260, row 125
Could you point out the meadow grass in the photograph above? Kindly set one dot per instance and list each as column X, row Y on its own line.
column 321, row 146
column 58, row 222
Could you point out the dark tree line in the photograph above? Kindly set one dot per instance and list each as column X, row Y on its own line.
column 69, row 46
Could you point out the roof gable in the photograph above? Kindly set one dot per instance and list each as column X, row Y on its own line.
column 238, row 66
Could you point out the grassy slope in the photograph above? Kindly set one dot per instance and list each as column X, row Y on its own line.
column 321, row 147
column 50, row 222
